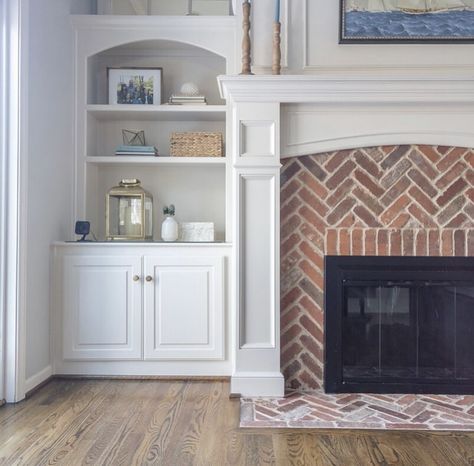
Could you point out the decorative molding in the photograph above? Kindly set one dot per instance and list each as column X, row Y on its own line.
column 340, row 88
column 258, row 384
column 37, row 379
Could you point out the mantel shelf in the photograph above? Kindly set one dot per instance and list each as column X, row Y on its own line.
column 160, row 160
column 158, row 112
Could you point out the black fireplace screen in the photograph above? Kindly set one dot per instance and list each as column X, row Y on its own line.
column 400, row 325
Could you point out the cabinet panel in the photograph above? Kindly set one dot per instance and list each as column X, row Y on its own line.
column 102, row 307
column 184, row 308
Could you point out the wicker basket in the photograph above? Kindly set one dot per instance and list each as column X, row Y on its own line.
column 196, row 144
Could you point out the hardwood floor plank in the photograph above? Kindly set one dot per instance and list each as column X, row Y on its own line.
column 176, row 423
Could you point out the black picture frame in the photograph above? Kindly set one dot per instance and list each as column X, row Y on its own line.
column 347, row 39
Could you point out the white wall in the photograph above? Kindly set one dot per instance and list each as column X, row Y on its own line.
column 311, row 44
column 50, row 164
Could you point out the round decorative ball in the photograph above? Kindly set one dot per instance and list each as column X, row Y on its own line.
column 189, row 89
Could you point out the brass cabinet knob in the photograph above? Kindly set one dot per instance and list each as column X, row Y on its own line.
column 149, row 278
column 136, row 278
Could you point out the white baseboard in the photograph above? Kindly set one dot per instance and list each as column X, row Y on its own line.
column 33, row 381
column 258, row 384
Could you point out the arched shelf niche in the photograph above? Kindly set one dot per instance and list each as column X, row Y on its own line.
column 181, row 62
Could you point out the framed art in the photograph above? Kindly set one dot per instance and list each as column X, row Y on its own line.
column 406, row 21
column 139, row 86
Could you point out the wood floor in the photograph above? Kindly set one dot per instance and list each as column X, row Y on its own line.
column 103, row 422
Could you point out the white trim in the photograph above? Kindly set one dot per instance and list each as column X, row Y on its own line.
column 256, row 384
column 16, row 13
column 340, row 88
column 33, row 381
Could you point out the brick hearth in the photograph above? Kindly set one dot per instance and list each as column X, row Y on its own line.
column 397, row 200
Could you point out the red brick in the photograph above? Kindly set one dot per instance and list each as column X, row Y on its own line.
column 370, row 167
column 340, row 175
column 383, row 245
column 357, row 243
column 470, row 243
column 451, row 192
column 312, row 255
column 288, row 317
column 289, row 190
column 457, row 221
column 366, row 216
column 341, row 210
column 443, row 149
column 423, row 183
column 344, row 242
column 289, row 244
column 423, row 163
column 447, row 243
column 313, row 310
column 396, row 243
column 311, row 344
column 453, row 156
column 289, row 208
column 420, row 248
column 341, row 192
column 312, row 274
column 309, row 198
column 422, row 217
column 423, row 200
column 408, row 243
column 290, row 353
column 290, row 297
column 348, row 221
column 313, row 184
column 313, row 218
column 395, row 209
column 311, row 327
column 336, row 160
column 289, row 335
column 394, row 192
column 430, row 153
column 469, row 157
column 364, row 179
column 331, row 242
column 453, row 173
column 289, row 227
column 400, row 221
column 370, row 242
column 433, row 242
column 459, row 243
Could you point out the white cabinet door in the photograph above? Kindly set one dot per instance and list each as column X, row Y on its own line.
column 102, row 307
column 184, row 308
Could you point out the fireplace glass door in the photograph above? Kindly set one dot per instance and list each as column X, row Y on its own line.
column 398, row 334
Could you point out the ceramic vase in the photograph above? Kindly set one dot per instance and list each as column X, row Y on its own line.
column 169, row 229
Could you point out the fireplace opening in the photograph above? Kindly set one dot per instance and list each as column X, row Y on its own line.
column 399, row 324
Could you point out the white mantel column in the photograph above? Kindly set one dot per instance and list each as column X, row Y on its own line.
column 256, row 171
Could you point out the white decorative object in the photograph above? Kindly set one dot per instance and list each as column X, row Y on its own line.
column 169, row 229
column 196, row 231
column 189, row 89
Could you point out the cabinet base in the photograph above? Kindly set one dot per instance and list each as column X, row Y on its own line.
column 258, row 384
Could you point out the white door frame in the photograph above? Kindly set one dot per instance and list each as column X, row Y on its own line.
column 13, row 132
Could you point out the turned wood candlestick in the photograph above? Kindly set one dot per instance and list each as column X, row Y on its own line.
column 276, row 61
column 246, row 45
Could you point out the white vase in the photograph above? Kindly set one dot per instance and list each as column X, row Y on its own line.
column 169, row 229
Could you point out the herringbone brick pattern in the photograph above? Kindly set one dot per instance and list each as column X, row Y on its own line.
column 397, row 200
column 361, row 411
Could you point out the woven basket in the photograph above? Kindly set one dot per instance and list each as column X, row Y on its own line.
column 196, row 144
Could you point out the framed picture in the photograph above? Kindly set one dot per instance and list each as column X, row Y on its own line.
column 407, row 21
column 139, row 86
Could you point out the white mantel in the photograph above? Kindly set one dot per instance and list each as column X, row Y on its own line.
column 280, row 116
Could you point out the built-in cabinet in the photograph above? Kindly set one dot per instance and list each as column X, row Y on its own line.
column 144, row 302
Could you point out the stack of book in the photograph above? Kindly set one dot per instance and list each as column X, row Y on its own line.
column 180, row 99
column 136, row 150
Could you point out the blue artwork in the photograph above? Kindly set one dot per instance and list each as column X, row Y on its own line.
column 407, row 20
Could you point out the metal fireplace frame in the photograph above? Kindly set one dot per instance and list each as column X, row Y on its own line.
column 361, row 268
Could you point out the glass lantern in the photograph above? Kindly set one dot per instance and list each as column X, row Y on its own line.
column 129, row 212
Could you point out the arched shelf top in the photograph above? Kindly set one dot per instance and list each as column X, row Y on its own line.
column 99, row 34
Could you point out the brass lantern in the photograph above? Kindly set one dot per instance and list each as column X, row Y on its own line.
column 129, row 212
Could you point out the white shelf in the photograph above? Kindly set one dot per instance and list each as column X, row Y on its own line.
column 150, row 160
column 158, row 112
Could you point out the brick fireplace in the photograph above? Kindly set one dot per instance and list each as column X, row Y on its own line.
column 388, row 200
